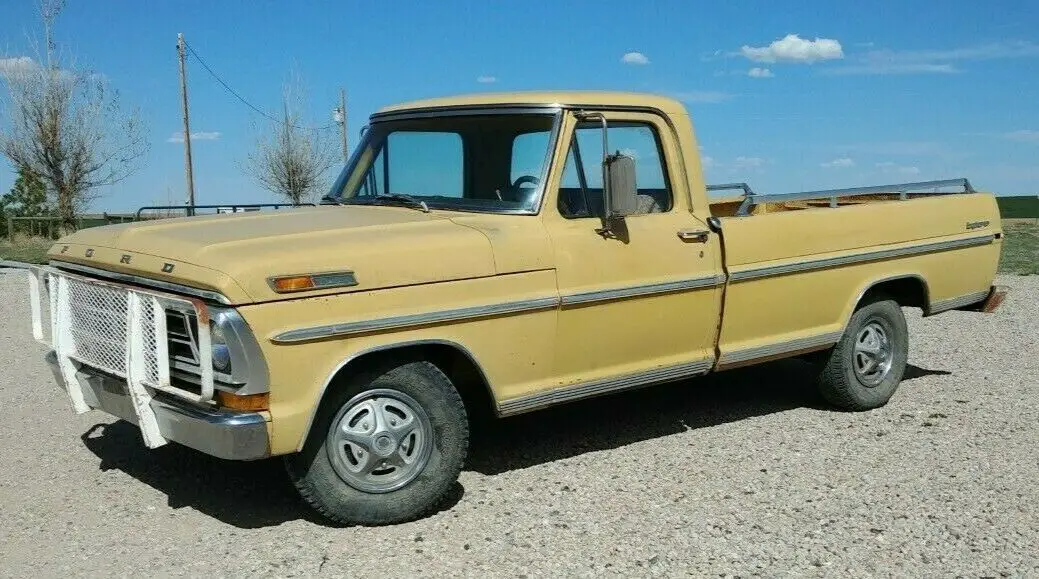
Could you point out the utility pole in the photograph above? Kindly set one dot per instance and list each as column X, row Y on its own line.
column 187, row 126
column 340, row 117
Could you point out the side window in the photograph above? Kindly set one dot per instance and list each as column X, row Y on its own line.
column 421, row 163
column 581, row 190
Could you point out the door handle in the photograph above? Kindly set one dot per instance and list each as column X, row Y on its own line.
column 697, row 235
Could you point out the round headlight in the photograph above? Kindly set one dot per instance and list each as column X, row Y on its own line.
column 220, row 352
column 221, row 358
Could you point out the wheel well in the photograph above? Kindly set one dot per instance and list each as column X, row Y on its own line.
column 909, row 292
column 453, row 360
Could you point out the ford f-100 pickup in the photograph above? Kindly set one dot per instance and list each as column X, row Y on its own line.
column 502, row 252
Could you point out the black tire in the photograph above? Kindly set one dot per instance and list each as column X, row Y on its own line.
column 318, row 482
column 839, row 381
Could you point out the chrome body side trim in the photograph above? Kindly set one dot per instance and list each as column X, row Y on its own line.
column 953, row 303
column 642, row 290
column 219, row 433
column 144, row 281
column 811, row 264
column 459, row 314
column 603, row 386
column 383, row 348
column 397, row 322
column 778, row 349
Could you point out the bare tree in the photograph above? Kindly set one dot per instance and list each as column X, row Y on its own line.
column 65, row 125
column 291, row 160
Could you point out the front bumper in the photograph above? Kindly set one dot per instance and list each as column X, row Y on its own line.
column 229, row 435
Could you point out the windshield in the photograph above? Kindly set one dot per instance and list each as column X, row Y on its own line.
column 487, row 163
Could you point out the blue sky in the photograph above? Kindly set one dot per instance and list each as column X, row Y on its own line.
column 864, row 93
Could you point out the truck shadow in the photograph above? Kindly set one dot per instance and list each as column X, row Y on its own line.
column 247, row 495
column 258, row 494
column 615, row 421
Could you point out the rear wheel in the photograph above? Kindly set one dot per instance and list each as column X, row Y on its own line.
column 866, row 366
column 385, row 448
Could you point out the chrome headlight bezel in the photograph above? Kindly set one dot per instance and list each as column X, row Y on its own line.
column 248, row 369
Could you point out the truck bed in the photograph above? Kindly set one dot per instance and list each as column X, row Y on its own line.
column 796, row 263
column 738, row 199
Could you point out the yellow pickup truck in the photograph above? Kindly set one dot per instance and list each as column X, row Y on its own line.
column 502, row 252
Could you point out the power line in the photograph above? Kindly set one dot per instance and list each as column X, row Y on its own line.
column 247, row 103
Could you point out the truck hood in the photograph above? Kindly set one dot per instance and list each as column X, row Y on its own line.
column 235, row 254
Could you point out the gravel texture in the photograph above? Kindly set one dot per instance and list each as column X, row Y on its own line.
column 740, row 474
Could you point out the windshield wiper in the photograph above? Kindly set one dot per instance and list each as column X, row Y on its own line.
column 405, row 200
column 331, row 199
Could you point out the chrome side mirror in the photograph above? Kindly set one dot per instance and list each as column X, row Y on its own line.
column 621, row 189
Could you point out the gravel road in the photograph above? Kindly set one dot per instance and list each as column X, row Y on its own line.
column 744, row 473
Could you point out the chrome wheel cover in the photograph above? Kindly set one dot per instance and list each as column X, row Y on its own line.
column 380, row 441
column 872, row 356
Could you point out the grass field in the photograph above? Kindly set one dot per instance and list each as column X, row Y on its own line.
column 28, row 249
column 1020, row 248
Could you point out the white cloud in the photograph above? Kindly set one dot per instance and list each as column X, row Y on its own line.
column 748, row 162
column 16, row 64
column 178, row 137
column 793, row 48
column 758, row 72
column 943, row 61
column 487, row 79
column 889, row 168
column 741, row 164
column 630, row 153
column 636, row 58
column 841, row 162
column 701, row 96
column 1024, row 135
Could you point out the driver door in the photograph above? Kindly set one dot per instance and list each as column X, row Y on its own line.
column 643, row 301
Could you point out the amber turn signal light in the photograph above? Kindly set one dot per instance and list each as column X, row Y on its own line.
column 243, row 402
column 293, row 284
column 309, row 281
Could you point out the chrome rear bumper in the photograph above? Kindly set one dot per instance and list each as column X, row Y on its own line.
column 228, row 435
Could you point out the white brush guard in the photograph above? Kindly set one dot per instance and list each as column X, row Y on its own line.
column 120, row 330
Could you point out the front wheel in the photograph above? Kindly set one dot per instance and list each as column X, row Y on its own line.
column 866, row 366
column 385, row 448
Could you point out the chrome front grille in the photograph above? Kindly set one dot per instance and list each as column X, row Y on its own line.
column 128, row 332
column 181, row 331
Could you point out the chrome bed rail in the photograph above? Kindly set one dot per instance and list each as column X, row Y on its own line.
column 903, row 190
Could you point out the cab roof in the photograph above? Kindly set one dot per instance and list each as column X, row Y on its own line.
column 591, row 99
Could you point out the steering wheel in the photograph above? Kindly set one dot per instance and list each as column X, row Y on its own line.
column 525, row 179
column 524, row 195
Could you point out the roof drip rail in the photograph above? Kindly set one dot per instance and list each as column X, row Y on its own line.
column 903, row 190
